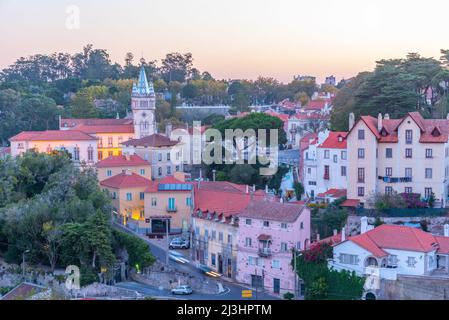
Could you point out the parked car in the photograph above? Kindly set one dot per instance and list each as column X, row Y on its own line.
column 182, row 290
column 176, row 256
column 179, row 243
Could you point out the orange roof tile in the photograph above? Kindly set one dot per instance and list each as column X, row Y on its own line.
column 52, row 135
column 154, row 140
column 125, row 180
column 122, row 161
column 335, row 140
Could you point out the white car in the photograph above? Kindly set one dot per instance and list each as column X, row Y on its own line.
column 176, row 256
column 182, row 290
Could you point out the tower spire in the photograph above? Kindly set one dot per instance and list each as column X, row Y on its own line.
column 142, row 84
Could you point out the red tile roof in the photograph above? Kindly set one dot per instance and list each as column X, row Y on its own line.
column 311, row 116
column 350, row 203
column 122, row 161
column 70, row 123
column 52, row 135
column 282, row 116
column 154, row 140
column 332, row 240
column 397, row 237
column 276, row 211
column 317, row 104
column 335, row 140
column 334, row 193
column 125, row 180
column 117, row 128
column 432, row 130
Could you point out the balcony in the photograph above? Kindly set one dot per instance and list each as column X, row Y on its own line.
column 264, row 252
column 172, row 209
column 388, row 179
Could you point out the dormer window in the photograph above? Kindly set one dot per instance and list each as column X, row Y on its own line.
column 340, row 138
column 383, row 132
column 436, row 132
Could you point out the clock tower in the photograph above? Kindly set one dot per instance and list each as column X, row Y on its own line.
column 143, row 105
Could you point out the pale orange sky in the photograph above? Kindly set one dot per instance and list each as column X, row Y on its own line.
column 232, row 38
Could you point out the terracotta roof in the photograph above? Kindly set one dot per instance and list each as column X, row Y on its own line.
column 154, row 140
column 52, row 135
column 317, row 104
column 70, row 123
column 396, row 237
column 332, row 240
column 333, row 140
column 282, row 116
column 311, row 116
column 125, row 180
column 443, row 244
column 334, row 193
column 116, row 128
column 432, row 130
column 122, row 161
column 350, row 203
column 276, row 211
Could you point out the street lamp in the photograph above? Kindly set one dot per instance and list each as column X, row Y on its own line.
column 23, row 263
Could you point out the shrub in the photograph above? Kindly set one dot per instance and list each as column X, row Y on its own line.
column 288, row 296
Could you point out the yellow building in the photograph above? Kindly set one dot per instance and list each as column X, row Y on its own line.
column 127, row 191
column 114, row 165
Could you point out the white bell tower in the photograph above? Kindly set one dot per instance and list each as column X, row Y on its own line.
column 143, row 105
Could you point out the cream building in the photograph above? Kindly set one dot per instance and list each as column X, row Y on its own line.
column 114, row 165
column 407, row 155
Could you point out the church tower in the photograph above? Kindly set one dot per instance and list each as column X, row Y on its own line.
column 143, row 105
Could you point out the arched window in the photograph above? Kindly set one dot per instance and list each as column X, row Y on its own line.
column 49, row 150
column 76, row 153
column 90, row 153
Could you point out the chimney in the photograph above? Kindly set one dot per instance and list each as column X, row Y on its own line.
column 247, row 189
column 447, row 116
column 317, row 237
column 59, row 119
column 343, row 234
column 168, row 129
column 213, row 174
column 446, row 230
column 117, row 116
column 386, row 116
column 254, row 188
column 335, row 232
column 266, row 188
column 379, row 122
column 351, row 120
column 363, row 225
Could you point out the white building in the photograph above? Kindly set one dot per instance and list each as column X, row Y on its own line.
column 391, row 250
column 325, row 164
column 407, row 155
column 81, row 146
column 301, row 123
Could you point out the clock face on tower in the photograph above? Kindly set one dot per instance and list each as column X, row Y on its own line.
column 144, row 114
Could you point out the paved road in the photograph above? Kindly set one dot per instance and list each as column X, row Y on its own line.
column 232, row 291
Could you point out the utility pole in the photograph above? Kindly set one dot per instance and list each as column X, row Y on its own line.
column 168, row 243
column 296, row 275
column 23, row 263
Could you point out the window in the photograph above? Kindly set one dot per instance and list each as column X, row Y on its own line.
column 100, row 155
column 159, row 156
column 326, row 154
column 206, row 234
column 168, row 170
column 408, row 172
column 177, row 168
column 20, row 145
column 301, row 225
column 429, row 153
column 343, row 155
column 90, row 153
column 247, row 242
column 284, row 247
column 120, row 140
column 142, row 214
column 361, row 191
column 110, row 153
column 212, row 259
column 266, row 224
column 168, row 156
column 408, row 136
column 388, row 153
column 109, row 141
column 171, row 204
column 408, row 152
column 388, row 190
column 129, row 196
column 159, row 171
column 142, row 195
column 76, row 153
column 109, row 173
column 361, row 175
column 408, row 190
column 393, row 260
column 229, row 239
column 361, row 134
column 411, row 261
column 428, row 173
column 251, row 261
column 214, row 235
column 388, row 171
column 248, row 222
column 335, row 158
column 361, row 153
column 220, row 236
column 153, row 202
column 189, row 201
column 283, row 225
column 326, row 172
column 427, row 192
column 348, row 258
column 275, row 264
column 114, row 195
column 343, row 171
column 142, row 172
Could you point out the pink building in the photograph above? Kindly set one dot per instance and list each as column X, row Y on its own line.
column 267, row 233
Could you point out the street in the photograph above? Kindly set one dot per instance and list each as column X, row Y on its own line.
column 231, row 291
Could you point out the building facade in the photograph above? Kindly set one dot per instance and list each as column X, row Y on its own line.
column 267, row 235
column 114, row 165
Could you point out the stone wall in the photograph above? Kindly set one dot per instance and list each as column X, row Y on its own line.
column 414, row 288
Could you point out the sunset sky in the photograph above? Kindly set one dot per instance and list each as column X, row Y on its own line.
column 232, row 38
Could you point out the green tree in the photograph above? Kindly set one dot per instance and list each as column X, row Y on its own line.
column 82, row 106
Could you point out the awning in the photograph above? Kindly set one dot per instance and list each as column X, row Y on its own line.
column 264, row 237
